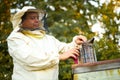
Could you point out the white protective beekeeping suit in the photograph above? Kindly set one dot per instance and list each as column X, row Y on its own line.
column 33, row 58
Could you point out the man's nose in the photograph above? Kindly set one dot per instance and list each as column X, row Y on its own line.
column 37, row 19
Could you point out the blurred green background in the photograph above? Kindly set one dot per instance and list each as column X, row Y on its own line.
column 65, row 19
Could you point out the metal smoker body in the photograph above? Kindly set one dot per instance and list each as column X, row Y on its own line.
column 87, row 52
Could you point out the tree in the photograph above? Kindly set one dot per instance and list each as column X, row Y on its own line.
column 5, row 61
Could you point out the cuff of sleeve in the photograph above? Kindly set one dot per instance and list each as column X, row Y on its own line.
column 73, row 41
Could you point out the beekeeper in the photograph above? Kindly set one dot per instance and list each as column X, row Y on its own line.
column 35, row 54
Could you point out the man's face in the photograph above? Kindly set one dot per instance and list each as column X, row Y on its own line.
column 31, row 21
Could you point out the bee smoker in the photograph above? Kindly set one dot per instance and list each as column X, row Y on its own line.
column 87, row 52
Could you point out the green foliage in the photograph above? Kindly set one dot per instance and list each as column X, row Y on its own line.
column 5, row 27
column 5, row 62
column 66, row 18
column 65, row 70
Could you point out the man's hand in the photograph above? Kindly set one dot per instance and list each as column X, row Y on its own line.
column 72, row 53
column 80, row 39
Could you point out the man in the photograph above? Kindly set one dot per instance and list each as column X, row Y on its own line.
column 35, row 54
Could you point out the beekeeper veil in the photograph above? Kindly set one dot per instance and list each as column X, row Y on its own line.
column 16, row 19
